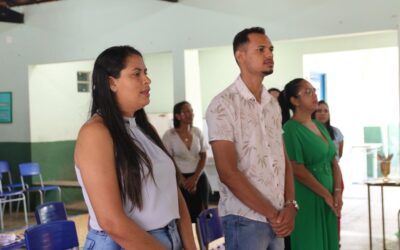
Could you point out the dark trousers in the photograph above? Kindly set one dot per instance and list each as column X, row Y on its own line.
column 287, row 243
column 197, row 201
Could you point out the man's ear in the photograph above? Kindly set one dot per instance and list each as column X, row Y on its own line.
column 178, row 117
column 112, row 83
column 239, row 55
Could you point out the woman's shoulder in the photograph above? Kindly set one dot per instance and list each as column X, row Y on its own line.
column 291, row 125
column 170, row 132
column 196, row 130
column 94, row 127
column 338, row 133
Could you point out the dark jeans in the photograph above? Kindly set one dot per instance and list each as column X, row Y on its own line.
column 197, row 201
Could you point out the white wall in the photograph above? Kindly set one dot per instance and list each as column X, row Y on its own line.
column 58, row 110
column 76, row 30
column 160, row 71
column 362, row 91
column 218, row 68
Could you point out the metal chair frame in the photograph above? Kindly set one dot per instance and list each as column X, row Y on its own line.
column 9, row 197
column 33, row 169
column 5, row 169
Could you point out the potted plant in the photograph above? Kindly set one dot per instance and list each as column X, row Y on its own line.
column 385, row 164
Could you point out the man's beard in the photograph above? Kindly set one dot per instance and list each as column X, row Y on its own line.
column 269, row 72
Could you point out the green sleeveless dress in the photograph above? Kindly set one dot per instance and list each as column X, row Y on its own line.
column 315, row 224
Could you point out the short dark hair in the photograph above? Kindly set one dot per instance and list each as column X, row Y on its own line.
column 242, row 37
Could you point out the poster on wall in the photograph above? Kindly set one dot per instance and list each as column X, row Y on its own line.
column 318, row 81
column 5, row 107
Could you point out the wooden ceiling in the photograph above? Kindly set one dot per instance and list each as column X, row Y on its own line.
column 12, row 16
column 13, row 3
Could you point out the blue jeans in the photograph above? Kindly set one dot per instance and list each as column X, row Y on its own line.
column 242, row 234
column 168, row 236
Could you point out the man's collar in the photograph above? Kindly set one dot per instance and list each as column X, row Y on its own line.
column 246, row 93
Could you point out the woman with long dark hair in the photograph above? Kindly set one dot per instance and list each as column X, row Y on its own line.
column 323, row 115
column 128, row 179
column 317, row 173
column 187, row 146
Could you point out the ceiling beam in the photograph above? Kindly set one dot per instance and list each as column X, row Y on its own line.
column 10, row 16
column 13, row 3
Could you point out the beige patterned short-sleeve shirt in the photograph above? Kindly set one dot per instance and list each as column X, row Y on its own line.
column 255, row 129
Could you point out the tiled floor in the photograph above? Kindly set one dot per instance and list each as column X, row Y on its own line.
column 354, row 233
column 355, row 230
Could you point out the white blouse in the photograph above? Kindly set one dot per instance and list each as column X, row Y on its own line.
column 160, row 196
column 186, row 159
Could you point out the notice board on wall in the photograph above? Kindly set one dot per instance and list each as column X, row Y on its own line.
column 5, row 107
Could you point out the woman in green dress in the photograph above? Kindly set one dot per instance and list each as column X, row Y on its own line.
column 317, row 173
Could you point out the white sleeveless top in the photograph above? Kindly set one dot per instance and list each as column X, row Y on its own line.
column 160, row 197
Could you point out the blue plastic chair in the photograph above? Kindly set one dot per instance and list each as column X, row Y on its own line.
column 33, row 169
column 9, row 197
column 50, row 211
column 56, row 235
column 5, row 169
column 209, row 227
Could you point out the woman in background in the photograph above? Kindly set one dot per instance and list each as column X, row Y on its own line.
column 186, row 145
column 128, row 179
column 317, row 173
column 323, row 115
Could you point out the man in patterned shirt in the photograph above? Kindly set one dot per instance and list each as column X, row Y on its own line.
column 256, row 181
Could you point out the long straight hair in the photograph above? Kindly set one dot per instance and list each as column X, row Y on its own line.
column 131, row 161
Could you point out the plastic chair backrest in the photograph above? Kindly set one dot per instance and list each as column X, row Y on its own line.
column 52, row 236
column 209, row 227
column 4, row 167
column 50, row 211
column 29, row 169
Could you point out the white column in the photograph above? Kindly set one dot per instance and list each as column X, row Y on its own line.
column 178, row 58
column 398, row 59
column 193, row 89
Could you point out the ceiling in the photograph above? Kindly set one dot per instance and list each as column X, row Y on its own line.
column 305, row 18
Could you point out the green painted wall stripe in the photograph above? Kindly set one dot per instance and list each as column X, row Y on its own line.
column 55, row 159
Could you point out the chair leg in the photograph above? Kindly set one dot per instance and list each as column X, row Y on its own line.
column 1, row 217
column 25, row 212
column 17, row 207
column 41, row 196
column 10, row 208
column 3, row 207
column 28, row 200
